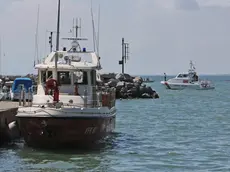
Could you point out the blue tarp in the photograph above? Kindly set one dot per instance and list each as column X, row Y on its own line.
column 26, row 82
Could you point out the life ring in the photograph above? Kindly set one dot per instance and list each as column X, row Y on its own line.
column 52, row 85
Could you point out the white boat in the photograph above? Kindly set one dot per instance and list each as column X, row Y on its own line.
column 189, row 80
column 68, row 108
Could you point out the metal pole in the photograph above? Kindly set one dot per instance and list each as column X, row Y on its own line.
column 51, row 44
column 57, row 41
column 123, row 56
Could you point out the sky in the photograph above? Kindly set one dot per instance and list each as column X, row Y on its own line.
column 163, row 35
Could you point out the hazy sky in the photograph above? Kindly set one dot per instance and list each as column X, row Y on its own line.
column 163, row 34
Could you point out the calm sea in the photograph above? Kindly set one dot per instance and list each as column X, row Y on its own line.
column 181, row 131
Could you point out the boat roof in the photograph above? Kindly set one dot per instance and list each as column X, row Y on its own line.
column 79, row 65
column 78, row 61
column 23, row 78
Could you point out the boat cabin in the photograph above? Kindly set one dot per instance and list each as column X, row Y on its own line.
column 68, row 79
column 187, row 77
column 182, row 76
column 76, row 79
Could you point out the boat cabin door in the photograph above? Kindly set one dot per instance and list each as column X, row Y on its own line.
column 81, row 79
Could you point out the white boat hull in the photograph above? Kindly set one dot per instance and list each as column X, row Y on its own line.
column 182, row 86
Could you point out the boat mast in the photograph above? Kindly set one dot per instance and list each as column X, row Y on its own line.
column 57, row 40
column 36, row 39
column 1, row 56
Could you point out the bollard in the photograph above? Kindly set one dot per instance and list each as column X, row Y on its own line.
column 24, row 97
column 30, row 97
column 20, row 98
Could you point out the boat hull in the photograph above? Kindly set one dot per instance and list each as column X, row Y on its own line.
column 180, row 86
column 49, row 132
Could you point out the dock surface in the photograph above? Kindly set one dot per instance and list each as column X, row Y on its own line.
column 6, row 105
column 8, row 110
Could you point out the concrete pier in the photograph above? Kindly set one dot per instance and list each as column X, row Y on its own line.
column 8, row 110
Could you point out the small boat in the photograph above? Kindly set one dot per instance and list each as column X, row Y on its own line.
column 18, row 85
column 147, row 80
column 68, row 109
column 189, row 80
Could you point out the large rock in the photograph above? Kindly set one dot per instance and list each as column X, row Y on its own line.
column 129, row 85
column 146, row 96
column 113, row 83
column 138, row 79
column 107, row 76
column 135, row 92
column 124, row 77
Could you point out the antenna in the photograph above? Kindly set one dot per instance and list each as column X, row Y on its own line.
column 125, row 55
column 51, row 41
column 94, row 39
column 73, row 28
column 45, row 43
column 80, row 27
column 36, row 38
column 58, row 26
column 77, row 27
column 126, row 52
column 98, row 31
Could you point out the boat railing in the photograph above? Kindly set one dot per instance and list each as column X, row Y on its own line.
column 98, row 97
column 23, row 98
column 101, row 97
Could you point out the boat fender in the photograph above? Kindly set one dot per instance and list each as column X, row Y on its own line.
column 13, row 130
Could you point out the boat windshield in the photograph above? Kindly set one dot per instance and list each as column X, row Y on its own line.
column 182, row 75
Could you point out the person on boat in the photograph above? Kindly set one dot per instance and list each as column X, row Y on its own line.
column 165, row 76
column 195, row 77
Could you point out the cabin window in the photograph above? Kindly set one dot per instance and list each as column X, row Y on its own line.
column 46, row 75
column 64, row 77
column 49, row 74
column 80, row 77
column 93, row 77
column 43, row 76
column 185, row 75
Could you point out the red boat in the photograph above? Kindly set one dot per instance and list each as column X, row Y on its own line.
column 69, row 109
column 64, row 130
